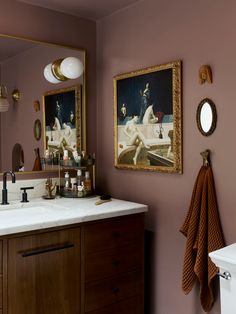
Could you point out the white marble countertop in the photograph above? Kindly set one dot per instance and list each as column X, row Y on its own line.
column 40, row 214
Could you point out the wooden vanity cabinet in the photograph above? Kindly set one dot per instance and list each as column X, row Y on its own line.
column 113, row 266
column 44, row 273
column 90, row 268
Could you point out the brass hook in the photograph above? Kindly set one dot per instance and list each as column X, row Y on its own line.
column 206, row 157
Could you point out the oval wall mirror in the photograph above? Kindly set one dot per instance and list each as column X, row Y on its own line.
column 37, row 129
column 206, row 117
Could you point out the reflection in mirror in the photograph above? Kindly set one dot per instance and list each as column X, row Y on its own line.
column 206, row 117
column 22, row 64
column 17, row 158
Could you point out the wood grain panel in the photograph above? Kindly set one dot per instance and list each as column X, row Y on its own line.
column 101, row 293
column 111, row 234
column 45, row 283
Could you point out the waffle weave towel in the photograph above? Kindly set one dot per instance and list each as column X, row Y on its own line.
column 203, row 231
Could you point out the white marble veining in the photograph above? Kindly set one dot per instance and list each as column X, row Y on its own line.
column 40, row 214
column 14, row 192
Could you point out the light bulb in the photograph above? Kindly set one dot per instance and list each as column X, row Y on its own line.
column 71, row 67
column 48, row 74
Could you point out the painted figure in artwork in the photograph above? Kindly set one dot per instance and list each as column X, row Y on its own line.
column 145, row 100
column 123, row 112
column 135, row 137
column 149, row 116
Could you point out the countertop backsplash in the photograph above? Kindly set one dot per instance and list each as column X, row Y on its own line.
column 15, row 193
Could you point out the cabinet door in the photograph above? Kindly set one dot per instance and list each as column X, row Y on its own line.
column 44, row 273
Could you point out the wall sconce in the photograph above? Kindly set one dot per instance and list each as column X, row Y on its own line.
column 4, row 104
column 16, row 95
column 63, row 69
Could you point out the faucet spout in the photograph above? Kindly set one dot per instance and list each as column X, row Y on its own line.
column 4, row 189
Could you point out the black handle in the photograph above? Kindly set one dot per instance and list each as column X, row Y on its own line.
column 116, row 234
column 24, row 194
column 115, row 289
column 47, row 249
column 116, row 262
column 27, row 188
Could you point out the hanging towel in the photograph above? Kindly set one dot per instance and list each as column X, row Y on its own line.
column 203, row 231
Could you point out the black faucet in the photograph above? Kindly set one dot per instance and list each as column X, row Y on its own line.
column 4, row 188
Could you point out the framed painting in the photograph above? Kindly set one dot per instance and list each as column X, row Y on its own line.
column 148, row 119
column 62, row 120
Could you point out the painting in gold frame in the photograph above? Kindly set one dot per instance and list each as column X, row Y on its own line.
column 148, row 119
column 62, row 120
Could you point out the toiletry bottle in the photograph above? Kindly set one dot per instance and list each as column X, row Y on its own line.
column 87, row 182
column 80, row 178
column 67, row 181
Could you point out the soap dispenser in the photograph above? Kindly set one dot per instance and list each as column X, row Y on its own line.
column 67, row 181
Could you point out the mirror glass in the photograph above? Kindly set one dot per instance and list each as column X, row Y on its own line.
column 22, row 64
column 206, row 117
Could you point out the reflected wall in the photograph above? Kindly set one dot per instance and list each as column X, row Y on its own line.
column 24, row 71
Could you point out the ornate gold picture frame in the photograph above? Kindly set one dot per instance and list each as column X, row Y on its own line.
column 62, row 120
column 148, row 119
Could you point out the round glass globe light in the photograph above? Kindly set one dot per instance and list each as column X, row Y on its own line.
column 71, row 67
column 48, row 74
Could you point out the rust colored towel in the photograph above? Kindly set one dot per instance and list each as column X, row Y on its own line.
column 202, row 228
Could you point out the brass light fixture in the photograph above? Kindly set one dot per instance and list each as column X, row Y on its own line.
column 16, row 95
column 62, row 70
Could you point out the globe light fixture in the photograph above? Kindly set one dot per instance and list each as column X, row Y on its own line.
column 49, row 75
column 63, row 69
column 71, row 67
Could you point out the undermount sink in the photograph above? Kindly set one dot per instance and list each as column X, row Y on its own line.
column 34, row 206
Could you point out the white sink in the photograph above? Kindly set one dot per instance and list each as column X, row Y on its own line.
column 33, row 205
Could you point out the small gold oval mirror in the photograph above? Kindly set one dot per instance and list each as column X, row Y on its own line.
column 206, row 117
column 37, row 129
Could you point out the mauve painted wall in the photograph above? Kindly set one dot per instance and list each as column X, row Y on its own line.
column 149, row 33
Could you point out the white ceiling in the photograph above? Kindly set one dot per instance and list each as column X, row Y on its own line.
column 91, row 9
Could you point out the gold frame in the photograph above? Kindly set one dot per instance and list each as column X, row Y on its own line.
column 78, row 110
column 175, row 146
column 84, row 89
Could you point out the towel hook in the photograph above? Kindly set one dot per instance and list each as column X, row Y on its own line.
column 206, row 157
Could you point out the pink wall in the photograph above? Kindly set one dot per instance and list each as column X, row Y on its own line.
column 32, row 22
column 149, row 33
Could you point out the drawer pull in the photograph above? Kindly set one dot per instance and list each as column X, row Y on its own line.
column 47, row 250
column 116, row 235
column 115, row 289
column 116, row 263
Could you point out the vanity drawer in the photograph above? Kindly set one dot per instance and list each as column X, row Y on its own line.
column 115, row 233
column 101, row 293
column 113, row 262
column 130, row 306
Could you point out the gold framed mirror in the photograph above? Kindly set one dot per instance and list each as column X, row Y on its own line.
column 23, row 63
column 37, row 129
column 206, row 117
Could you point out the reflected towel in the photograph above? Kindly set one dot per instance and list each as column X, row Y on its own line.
column 203, row 231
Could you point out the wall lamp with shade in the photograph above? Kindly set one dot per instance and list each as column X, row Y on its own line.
column 4, row 104
column 63, row 69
